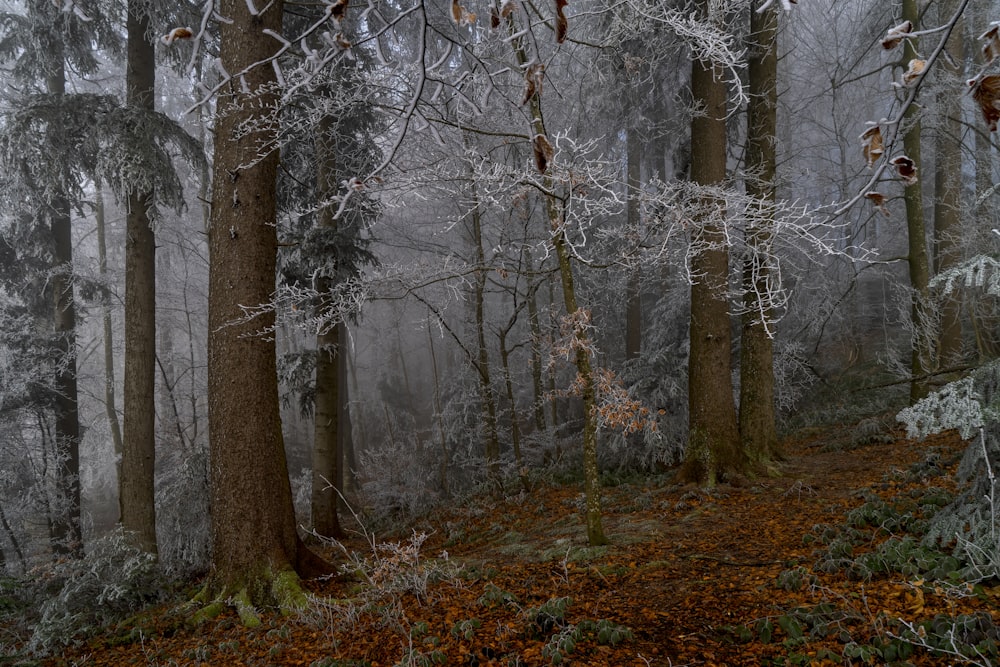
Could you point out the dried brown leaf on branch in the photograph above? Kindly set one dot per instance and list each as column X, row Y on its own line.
column 544, row 152
column 991, row 48
column 533, row 76
column 906, row 169
column 913, row 71
column 872, row 144
column 178, row 33
column 503, row 13
column 562, row 25
column 986, row 93
column 337, row 10
column 878, row 200
column 461, row 15
column 896, row 34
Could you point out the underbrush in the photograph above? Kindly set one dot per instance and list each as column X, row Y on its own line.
column 909, row 596
column 400, row 589
column 58, row 604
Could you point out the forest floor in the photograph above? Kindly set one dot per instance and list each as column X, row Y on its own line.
column 767, row 572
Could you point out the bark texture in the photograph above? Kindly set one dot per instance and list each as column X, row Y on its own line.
column 66, row 534
column 948, row 191
column 756, row 414
column 713, row 451
column 135, row 486
column 254, row 540
column 921, row 356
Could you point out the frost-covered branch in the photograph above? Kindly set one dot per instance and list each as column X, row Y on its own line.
column 890, row 126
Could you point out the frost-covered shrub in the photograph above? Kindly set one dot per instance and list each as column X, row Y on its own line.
column 958, row 405
column 76, row 597
column 399, row 477
column 972, row 522
column 183, row 529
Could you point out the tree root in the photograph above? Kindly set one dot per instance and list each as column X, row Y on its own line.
column 281, row 590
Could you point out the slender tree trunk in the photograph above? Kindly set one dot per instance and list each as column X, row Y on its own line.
column 515, row 426
column 350, row 460
column 255, row 547
column 580, row 320
column 135, row 486
column 483, row 359
column 326, row 447
column 948, row 191
column 713, row 449
column 110, row 403
column 439, row 417
column 326, row 454
column 756, row 414
column 921, row 357
column 538, row 393
column 67, row 536
column 14, row 542
column 633, row 295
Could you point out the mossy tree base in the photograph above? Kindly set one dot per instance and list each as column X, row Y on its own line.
column 280, row 590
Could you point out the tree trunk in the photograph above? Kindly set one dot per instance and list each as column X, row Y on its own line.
column 633, row 296
column 326, row 453
column 713, row 450
column 756, row 416
column 67, row 536
column 515, row 425
column 581, row 342
column 921, row 356
column 326, row 456
column 948, row 191
column 135, row 486
column 483, row 359
column 110, row 403
column 255, row 547
column 538, row 393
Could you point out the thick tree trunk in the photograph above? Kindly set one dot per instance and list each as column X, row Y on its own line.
column 255, row 547
column 921, row 356
column 713, row 450
column 135, row 486
column 756, row 416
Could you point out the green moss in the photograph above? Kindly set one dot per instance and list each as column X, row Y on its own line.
column 287, row 591
column 245, row 609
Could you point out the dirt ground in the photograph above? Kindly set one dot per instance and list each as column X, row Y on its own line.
column 692, row 577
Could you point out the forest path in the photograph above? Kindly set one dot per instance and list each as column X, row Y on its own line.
column 684, row 564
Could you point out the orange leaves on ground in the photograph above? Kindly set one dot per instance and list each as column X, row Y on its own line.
column 685, row 563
